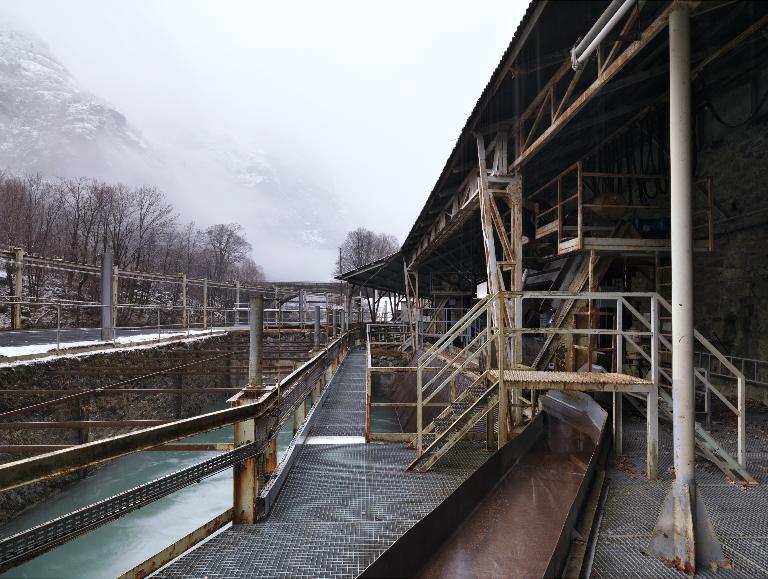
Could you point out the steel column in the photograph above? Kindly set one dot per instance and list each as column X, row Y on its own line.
column 684, row 536
column 317, row 327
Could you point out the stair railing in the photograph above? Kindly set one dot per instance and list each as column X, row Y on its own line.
column 425, row 392
column 741, row 388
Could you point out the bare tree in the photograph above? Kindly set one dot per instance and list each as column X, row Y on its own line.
column 361, row 247
column 79, row 219
column 227, row 246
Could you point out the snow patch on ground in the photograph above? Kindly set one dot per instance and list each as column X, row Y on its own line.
column 138, row 341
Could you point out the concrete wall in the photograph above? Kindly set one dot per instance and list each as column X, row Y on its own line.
column 129, row 406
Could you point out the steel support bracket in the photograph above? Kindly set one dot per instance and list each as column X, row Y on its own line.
column 684, row 537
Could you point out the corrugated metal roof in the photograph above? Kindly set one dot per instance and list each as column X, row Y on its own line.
column 518, row 39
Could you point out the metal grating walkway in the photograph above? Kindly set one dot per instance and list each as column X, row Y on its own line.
column 739, row 513
column 341, row 506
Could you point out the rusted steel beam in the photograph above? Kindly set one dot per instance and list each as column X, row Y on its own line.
column 45, row 425
column 634, row 48
column 26, row 471
column 115, row 392
column 179, row 547
column 41, row 448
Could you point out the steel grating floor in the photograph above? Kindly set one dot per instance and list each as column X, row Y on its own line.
column 739, row 513
column 341, row 506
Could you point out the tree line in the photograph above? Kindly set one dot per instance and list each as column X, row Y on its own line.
column 80, row 219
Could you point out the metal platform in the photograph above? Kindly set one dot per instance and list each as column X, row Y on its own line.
column 632, row 505
column 342, row 504
column 575, row 381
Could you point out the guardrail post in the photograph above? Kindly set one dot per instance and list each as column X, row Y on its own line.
column 301, row 308
column 618, row 426
column 107, row 322
column 18, row 279
column 237, row 303
column 488, row 345
column 184, row 311
column 115, row 290
column 652, row 404
column 517, row 356
column 205, row 304
column 298, row 416
column 741, row 423
column 419, row 417
column 501, row 352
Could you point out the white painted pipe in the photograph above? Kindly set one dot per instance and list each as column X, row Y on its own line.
column 587, row 45
column 680, row 152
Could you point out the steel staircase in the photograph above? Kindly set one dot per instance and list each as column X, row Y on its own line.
column 456, row 421
column 470, row 405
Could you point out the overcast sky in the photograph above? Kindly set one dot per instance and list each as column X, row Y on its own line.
column 369, row 95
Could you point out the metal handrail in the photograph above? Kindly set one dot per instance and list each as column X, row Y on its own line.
column 741, row 387
column 460, row 326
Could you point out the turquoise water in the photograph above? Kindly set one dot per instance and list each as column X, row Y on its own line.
column 121, row 544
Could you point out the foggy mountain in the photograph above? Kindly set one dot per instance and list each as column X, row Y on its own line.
column 52, row 126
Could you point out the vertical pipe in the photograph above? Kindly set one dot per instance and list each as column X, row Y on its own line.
column 18, row 286
column 107, row 323
column 680, row 149
column 256, row 342
column 317, row 327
